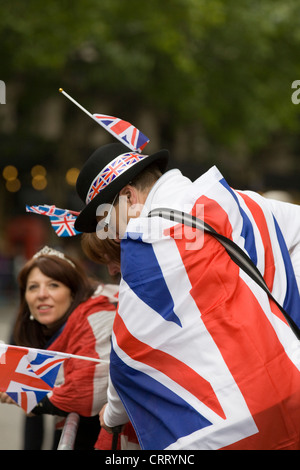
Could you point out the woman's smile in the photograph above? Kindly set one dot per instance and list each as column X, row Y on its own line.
column 48, row 300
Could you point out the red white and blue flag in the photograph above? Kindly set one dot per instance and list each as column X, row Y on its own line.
column 64, row 225
column 45, row 210
column 209, row 361
column 27, row 375
column 62, row 220
column 128, row 134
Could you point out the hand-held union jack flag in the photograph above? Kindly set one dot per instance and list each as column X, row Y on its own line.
column 123, row 131
column 27, row 374
column 62, row 220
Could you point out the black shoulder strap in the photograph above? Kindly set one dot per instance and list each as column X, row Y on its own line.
column 234, row 251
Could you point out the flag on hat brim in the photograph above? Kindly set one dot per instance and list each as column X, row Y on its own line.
column 62, row 220
column 46, row 210
column 64, row 225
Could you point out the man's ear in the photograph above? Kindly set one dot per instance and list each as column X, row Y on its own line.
column 131, row 194
column 134, row 199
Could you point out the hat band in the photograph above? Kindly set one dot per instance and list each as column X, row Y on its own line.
column 110, row 172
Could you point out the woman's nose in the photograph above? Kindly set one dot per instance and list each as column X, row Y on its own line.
column 43, row 292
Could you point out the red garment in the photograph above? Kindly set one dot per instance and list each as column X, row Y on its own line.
column 82, row 389
column 104, row 441
column 127, row 439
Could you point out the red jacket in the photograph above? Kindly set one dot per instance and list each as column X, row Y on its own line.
column 81, row 385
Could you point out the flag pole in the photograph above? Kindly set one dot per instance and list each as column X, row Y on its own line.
column 73, row 212
column 58, row 353
column 92, row 116
column 85, row 358
column 77, row 104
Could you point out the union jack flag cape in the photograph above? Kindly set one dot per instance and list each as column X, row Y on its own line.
column 62, row 220
column 201, row 357
column 28, row 374
column 128, row 134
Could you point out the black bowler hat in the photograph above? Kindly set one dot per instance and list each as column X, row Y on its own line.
column 105, row 173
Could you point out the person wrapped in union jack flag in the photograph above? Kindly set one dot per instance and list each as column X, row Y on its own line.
column 205, row 343
column 61, row 309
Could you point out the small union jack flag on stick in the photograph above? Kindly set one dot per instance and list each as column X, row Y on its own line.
column 125, row 132
column 62, row 220
column 45, row 210
column 64, row 225
column 27, row 375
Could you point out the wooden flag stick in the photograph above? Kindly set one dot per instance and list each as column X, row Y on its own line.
column 115, row 135
column 85, row 358
column 58, row 353
column 77, row 104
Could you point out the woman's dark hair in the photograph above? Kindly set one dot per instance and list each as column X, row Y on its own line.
column 30, row 332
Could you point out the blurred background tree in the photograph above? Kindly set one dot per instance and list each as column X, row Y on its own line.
column 209, row 80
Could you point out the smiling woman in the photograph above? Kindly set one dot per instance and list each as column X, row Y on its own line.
column 62, row 310
column 48, row 300
column 51, row 287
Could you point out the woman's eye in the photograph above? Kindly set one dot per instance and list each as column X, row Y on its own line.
column 32, row 287
column 54, row 284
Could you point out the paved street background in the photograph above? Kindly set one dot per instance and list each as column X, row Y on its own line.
column 12, row 417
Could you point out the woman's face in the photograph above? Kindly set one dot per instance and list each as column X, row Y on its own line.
column 47, row 299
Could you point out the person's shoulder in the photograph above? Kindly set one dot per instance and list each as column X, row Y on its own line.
column 105, row 295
